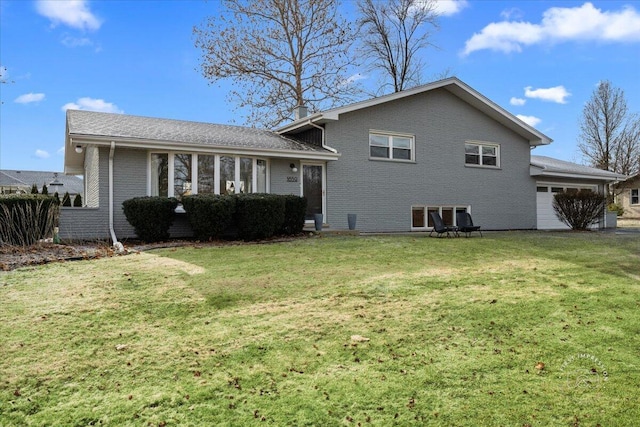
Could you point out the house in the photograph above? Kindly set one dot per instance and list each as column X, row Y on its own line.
column 18, row 181
column 553, row 176
column 390, row 160
column 628, row 196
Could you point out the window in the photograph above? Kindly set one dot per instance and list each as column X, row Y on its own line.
column 421, row 215
column 246, row 175
column 635, row 196
column 481, row 154
column 261, row 176
column 206, row 174
column 391, row 146
column 182, row 182
column 227, row 175
column 180, row 174
column 160, row 175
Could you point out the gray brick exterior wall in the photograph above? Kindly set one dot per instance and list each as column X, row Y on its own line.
column 381, row 193
column 283, row 180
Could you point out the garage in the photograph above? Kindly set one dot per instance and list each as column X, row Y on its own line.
column 546, row 217
column 553, row 176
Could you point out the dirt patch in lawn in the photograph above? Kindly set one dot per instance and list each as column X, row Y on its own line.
column 12, row 257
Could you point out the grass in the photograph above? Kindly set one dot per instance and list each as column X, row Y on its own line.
column 511, row 329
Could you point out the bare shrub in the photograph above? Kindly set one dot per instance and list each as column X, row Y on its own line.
column 579, row 209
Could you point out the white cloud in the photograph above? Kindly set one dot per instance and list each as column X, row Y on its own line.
column 41, row 154
column 530, row 120
column 60, row 150
column 76, row 42
column 28, row 98
column 73, row 13
column 513, row 13
column 450, row 7
column 559, row 24
column 92, row 104
column 517, row 101
column 556, row 94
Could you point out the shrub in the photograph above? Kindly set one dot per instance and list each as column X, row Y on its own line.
column 151, row 217
column 617, row 208
column 295, row 209
column 77, row 201
column 209, row 215
column 45, row 190
column 66, row 199
column 259, row 216
column 34, row 189
column 579, row 209
column 27, row 218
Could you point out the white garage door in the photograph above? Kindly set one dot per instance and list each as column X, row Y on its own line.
column 547, row 219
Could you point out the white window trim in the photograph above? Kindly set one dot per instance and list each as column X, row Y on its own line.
column 426, row 213
column 194, row 172
column 390, row 135
column 480, row 144
column 637, row 190
column 565, row 185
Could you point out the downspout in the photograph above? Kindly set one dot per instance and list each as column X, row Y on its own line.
column 324, row 145
column 116, row 245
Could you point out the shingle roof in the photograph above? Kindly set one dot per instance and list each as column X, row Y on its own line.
column 550, row 166
column 14, row 178
column 108, row 125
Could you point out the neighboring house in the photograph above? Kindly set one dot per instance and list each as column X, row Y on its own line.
column 13, row 181
column 391, row 160
column 628, row 196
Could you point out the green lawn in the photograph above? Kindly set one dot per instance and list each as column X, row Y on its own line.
column 513, row 329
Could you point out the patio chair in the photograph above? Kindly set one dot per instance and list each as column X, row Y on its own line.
column 440, row 228
column 465, row 224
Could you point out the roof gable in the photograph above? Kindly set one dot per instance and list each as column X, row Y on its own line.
column 454, row 86
column 90, row 127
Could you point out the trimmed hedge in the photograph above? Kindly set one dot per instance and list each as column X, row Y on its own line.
column 210, row 215
column 259, row 216
column 27, row 218
column 295, row 209
column 151, row 217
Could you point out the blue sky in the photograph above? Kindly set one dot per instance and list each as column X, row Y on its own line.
column 540, row 60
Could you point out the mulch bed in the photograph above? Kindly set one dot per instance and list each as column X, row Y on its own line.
column 12, row 257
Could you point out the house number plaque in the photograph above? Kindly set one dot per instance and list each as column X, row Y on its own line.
column 292, row 179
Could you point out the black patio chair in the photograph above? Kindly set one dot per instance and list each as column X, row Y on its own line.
column 440, row 228
column 465, row 224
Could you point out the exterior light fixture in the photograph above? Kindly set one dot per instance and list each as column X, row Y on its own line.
column 78, row 149
column 293, row 167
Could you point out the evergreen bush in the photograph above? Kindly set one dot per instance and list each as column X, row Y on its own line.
column 151, row 217
column 34, row 189
column 259, row 216
column 45, row 190
column 77, row 201
column 579, row 209
column 66, row 199
column 295, row 209
column 210, row 215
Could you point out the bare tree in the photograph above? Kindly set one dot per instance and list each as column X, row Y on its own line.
column 609, row 134
column 280, row 54
column 393, row 33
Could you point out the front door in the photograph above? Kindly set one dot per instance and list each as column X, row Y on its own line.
column 313, row 189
